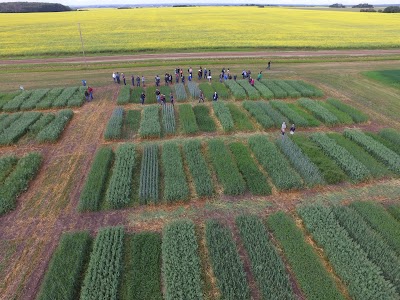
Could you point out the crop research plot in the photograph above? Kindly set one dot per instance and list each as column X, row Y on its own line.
column 118, row 200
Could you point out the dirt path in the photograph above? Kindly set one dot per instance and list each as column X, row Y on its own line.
column 177, row 56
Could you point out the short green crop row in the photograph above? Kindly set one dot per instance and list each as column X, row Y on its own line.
column 353, row 168
column 66, row 267
column 187, row 119
column 391, row 135
column 180, row 92
column 138, row 90
column 255, row 179
column 207, row 90
column 282, row 174
column 223, row 115
column 240, row 119
column 148, row 189
column 371, row 242
column 168, row 118
column 78, row 98
column 175, row 184
column 291, row 115
column 49, row 99
column 279, row 93
column 302, row 89
column 330, row 170
column 376, row 168
column 17, row 181
column 237, row 91
column 227, row 171
column 258, row 113
column 313, row 278
column 6, row 121
column 7, row 164
column 145, row 282
column 103, row 274
column 181, row 262
column 16, row 102
column 252, row 92
column 120, row 188
column 34, row 98
column 274, row 115
column 193, row 89
column 38, row 126
column 287, row 88
column 381, row 221
column 226, row 263
column 266, row 265
column 198, row 168
column 95, row 184
column 381, row 152
column 265, row 92
column 66, row 94
column 203, row 118
column 114, row 126
column 362, row 277
column 52, row 132
column 319, row 111
column 394, row 210
column 221, row 89
column 18, row 128
column 303, row 165
column 150, row 122
column 124, row 95
column 356, row 115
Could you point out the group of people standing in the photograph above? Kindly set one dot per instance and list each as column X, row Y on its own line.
column 283, row 129
column 161, row 99
column 117, row 77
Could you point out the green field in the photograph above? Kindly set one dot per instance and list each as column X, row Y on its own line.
column 389, row 77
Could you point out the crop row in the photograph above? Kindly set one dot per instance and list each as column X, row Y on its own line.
column 168, row 118
column 362, row 277
column 66, row 267
column 104, row 270
column 251, row 92
column 266, row 264
column 93, row 190
column 114, row 126
column 175, row 184
column 148, row 189
column 120, row 188
column 193, row 119
column 40, row 126
column 181, row 261
column 275, row 164
column 180, row 92
column 16, row 179
column 237, row 91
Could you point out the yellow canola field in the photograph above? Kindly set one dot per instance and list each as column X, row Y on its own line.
column 194, row 29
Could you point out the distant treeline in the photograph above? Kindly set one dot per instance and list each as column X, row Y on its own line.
column 27, row 7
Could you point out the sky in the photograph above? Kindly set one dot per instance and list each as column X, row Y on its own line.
column 160, row 2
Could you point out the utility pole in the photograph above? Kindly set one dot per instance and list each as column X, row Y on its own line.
column 83, row 48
